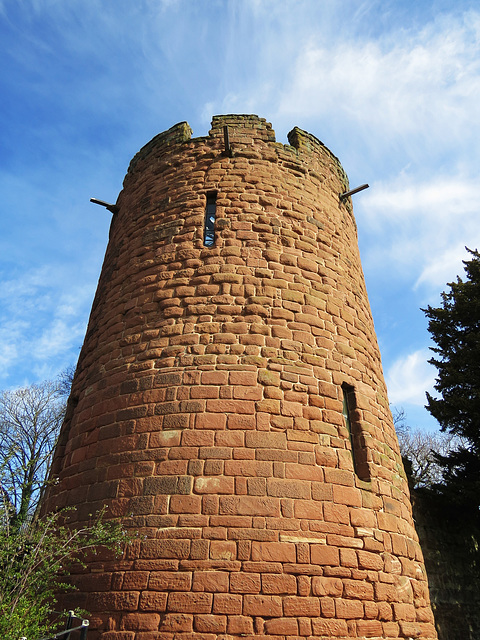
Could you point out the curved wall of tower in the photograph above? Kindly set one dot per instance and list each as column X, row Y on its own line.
column 229, row 405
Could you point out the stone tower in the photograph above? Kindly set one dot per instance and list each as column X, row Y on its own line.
column 229, row 405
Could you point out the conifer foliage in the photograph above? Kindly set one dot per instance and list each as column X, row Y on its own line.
column 455, row 329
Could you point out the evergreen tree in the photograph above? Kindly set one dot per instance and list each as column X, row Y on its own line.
column 455, row 329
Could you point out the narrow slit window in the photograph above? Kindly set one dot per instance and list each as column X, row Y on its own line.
column 210, row 213
column 357, row 441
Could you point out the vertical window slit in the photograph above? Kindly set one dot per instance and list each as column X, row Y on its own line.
column 210, row 213
column 357, row 440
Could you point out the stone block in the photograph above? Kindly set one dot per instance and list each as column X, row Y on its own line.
column 323, row 555
column 262, row 605
column 227, row 603
column 296, row 606
column 190, row 602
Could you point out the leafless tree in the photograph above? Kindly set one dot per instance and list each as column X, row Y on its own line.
column 419, row 448
column 30, row 420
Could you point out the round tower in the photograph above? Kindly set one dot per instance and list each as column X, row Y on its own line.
column 229, row 406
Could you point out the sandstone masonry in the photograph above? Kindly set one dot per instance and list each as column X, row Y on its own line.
column 229, row 405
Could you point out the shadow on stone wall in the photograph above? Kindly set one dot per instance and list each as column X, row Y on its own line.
column 450, row 540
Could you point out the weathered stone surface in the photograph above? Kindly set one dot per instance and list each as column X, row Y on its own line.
column 206, row 410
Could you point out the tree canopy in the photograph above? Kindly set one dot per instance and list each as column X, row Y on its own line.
column 36, row 553
column 420, row 449
column 455, row 329
column 30, row 420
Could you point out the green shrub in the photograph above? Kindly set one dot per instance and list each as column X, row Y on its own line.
column 34, row 563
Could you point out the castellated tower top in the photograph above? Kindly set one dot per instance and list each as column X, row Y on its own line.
column 229, row 406
column 244, row 129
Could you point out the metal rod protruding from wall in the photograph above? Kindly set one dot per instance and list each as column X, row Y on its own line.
column 350, row 193
column 226, row 139
column 113, row 208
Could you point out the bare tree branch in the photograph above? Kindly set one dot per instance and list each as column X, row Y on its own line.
column 30, row 420
column 421, row 449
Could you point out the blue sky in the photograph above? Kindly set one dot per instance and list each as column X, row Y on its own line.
column 391, row 87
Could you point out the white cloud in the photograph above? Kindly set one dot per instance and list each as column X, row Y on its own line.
column 57, row 338
column 42, row 321
column 422, row 83
column 10, row 334
column 420, row 228
column 442, row 197
column 444, row 268
column 410, row 377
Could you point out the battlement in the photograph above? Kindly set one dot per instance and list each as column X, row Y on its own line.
column 243, row 130
column 240, row 124
column 180, row 132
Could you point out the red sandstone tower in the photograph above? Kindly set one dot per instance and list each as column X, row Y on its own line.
column 229, row 405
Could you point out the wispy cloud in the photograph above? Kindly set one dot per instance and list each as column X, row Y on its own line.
column 424, row 226
column 441, row 197
column 416, row 87
column 409, row 377
column 445, row 266
column 42, row 323
column 58, row 339
column 10, row 336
